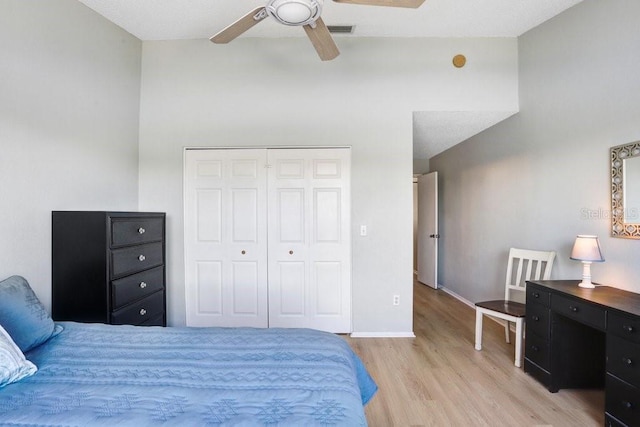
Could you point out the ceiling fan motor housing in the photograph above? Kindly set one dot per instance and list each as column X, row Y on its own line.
column 295, row 12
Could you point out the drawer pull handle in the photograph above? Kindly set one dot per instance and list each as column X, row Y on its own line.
column 243, row 252
column 628, row 328
column 535, row 318
column 573, row 308
column 143, row 312
column 141, row 258
column 536, row 295
column 627, row 361
column 141, row 230
column 143, row 285
column 290, row 252
column 626, row 404
column 534, row 348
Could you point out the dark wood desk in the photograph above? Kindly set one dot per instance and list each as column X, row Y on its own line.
column 586, row 338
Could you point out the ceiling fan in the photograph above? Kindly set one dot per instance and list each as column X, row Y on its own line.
column 304, row 13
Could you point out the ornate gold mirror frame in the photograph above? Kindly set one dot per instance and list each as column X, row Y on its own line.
column 625, row 217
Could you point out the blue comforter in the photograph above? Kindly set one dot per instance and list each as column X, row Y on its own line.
column 94, row 374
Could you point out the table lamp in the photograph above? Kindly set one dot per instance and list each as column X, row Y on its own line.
column 586, row 249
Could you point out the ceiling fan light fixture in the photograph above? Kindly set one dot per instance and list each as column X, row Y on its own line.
column 295, row 12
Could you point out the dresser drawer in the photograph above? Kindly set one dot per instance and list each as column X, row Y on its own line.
column 537, row 321
column 538, row 295
column 537, row 350
column 134, row 231
column 623, row 359
column 622, row 401
column 581, row 311
column 136, row 286
column 156, row 321
column 135, row 258
column 624, row 326
column 141, row 311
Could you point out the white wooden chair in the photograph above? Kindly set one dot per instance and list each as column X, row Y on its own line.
column 530, row 265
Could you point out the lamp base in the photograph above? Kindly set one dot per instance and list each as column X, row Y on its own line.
column 586, row 276
column 587, row 285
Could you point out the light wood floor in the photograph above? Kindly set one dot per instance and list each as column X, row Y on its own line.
column 439, row 379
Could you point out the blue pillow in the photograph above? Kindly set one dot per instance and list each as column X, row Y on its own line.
column 13, row 365
column 22, row 314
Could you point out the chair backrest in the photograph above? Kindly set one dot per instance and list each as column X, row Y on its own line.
column 525, row 264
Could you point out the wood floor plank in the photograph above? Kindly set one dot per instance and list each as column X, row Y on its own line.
column 439, row 379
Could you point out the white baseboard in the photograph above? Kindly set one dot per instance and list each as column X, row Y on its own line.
column 473, row 306
column 383, row 335
column 458, row 297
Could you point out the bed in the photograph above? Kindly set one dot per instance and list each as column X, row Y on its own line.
column 95, row 374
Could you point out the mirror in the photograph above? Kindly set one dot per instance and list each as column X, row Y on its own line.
column 625, row 191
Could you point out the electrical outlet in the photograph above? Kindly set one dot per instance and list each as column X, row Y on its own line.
column 396, row 300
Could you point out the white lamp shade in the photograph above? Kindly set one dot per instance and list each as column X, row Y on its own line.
column 587, row 248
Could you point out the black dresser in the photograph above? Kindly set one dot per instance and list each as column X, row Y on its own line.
column 109, row 267
column 586, row 338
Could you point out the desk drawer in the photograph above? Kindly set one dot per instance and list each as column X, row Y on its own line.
column 136, row 286
column 624, row 326
column 537, row 320
column 623, row 359
column 134, row 231
column 537, row 350
column 141, row 311
column 622, row 401
column 135, row 258
column 579, row 310
column 538, row 295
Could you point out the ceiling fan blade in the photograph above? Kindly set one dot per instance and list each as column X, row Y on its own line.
column 414, row 4
column 240, row 26
column 322, row 41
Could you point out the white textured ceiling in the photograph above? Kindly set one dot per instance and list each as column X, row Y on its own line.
column 197, row 19
column 434, row 131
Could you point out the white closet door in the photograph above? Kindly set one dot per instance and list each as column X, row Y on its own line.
column 309, row 239
column 226, row 238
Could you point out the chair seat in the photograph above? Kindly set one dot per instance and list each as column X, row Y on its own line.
column 511, row 308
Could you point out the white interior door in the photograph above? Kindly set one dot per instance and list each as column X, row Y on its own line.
column 428, row 229
column 226, row 238
column 309, row 239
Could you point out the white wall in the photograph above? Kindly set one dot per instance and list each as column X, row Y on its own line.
column 542, row 177
column 277, row 92
column 69, row 106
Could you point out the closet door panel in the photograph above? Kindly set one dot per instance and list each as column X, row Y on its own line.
column 319, row 178
column 245, row 289
column 290, row 217
column 225, row 226
column 327, row 214
column 208, row 284
column 244, row 215
column 209, row 215
column 328, row 288
column 291, row 296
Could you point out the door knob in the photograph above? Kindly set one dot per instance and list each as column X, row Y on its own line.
column 434, row 236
